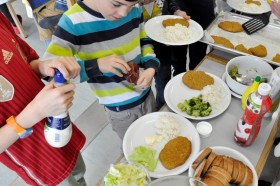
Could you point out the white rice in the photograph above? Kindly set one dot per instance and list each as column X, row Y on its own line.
column 167, row 126
column 213, row 94
column 177, row 33
column 250, row 7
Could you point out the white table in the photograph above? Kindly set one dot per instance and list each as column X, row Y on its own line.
column 224, row 125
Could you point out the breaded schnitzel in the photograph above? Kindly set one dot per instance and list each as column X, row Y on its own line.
column 259, row 51
column 222, row 41
column 175, row 152
column 173, row 22
column 230, row 26
column 242, row 48
column 253, row 2
column 197, row 79
column 276, row 58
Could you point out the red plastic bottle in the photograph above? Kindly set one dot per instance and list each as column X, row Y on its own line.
column 257, row 104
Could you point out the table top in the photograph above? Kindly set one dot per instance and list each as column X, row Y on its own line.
column 224, row 125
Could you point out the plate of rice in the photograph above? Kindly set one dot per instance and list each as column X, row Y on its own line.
column 217, row 95
column 249, row 6
column 173, row 35
column 168, row 126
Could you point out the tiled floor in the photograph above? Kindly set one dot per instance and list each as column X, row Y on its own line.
column 102, row 146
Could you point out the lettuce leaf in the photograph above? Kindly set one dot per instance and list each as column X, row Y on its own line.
column 145, row 156
column 125, row 175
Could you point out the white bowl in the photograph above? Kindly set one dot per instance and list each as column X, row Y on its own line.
column 204, row 129
column 245, row 63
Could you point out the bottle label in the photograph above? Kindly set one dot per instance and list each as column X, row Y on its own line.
column 58, row 123
column 249, row 125
column 58, row 138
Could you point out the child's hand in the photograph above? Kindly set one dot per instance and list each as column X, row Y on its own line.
column 145, row 78
column 68, row 66
column 50, row 101
column 181, row 13
column 110, row 63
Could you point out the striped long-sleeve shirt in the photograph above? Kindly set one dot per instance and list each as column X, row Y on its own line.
column 87, row 35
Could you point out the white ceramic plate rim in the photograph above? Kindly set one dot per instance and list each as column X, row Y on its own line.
column 178, row 80
column 232, row 92
column 234, row 4
column 133, row 138
column 154, row 28
column 220, row 150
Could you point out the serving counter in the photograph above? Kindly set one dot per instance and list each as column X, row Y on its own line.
column 224, row 125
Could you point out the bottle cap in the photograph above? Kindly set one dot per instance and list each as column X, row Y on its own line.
column 58, row 77
column 264, row 89
column 258, row 79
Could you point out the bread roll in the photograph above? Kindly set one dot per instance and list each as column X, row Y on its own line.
column 199, row 169
column 211, row 181
column 209, row 161
column 204, row 154
column 248, row 178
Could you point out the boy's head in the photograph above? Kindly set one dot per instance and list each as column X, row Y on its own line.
column 114, row 9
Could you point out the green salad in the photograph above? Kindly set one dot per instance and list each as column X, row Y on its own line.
column 125, row 175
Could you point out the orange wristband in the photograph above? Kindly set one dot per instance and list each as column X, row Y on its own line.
column 15, row 126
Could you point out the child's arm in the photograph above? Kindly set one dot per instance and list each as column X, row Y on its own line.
column 148, row 61
column 49, row 101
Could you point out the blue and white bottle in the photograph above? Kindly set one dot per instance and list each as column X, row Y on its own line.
column 58, row 129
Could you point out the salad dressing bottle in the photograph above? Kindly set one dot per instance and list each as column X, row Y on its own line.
column 58, row 129
column 249, row 90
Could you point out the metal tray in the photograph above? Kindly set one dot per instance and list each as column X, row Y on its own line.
column 268, row 36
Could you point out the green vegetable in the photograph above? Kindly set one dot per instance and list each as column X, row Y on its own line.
column 233, row 72
column 206, row 112
column 195, row 107
column 125, row 175
column 145, row 156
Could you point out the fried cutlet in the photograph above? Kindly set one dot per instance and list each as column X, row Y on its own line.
column 259, row 51
column 276, row 58
column 175, row 152
column 197, row 79
column 222, row 41
column 231, row 26
column 242, row 48
column 173, row 22
column 253, row 2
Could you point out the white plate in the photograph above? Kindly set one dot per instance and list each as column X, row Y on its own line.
column 154, row 30
column 232, row 92
column 145, row 126
column 176, row 91
column 234, row 154
column 241, row 6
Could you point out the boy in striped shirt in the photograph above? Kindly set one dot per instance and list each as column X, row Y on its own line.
column 104, row 35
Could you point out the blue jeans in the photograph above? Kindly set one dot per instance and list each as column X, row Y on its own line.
column 172, row 58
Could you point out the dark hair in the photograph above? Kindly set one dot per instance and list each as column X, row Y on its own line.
column 131, row 0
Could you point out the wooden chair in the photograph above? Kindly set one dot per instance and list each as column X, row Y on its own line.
column 15, row 18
